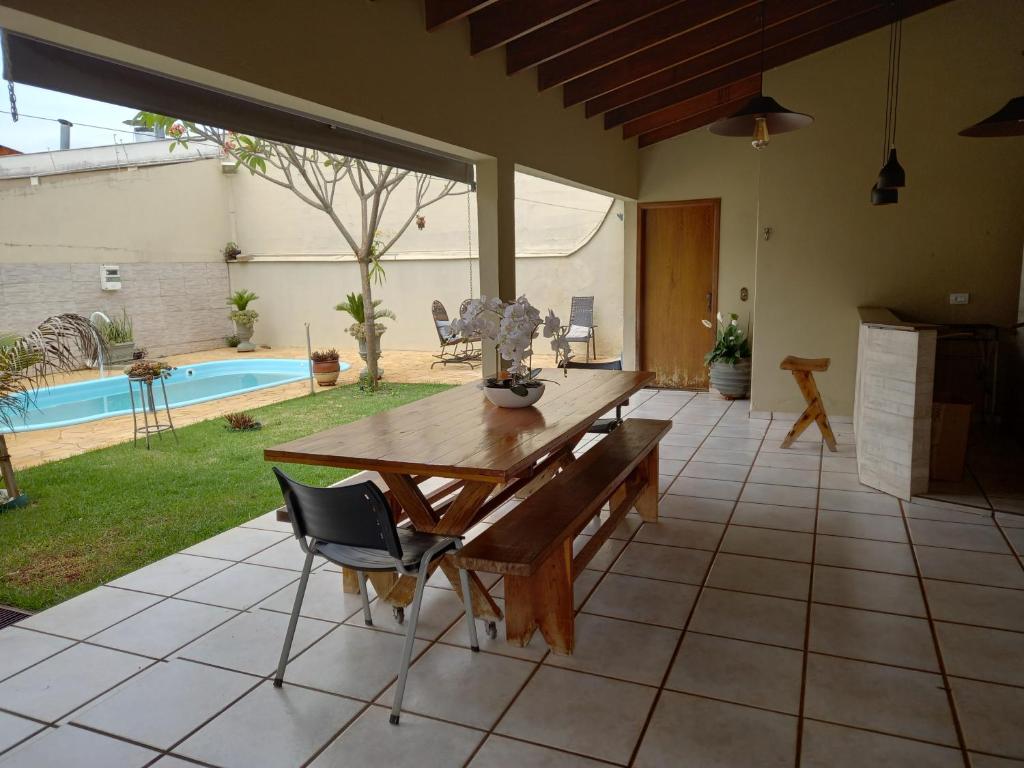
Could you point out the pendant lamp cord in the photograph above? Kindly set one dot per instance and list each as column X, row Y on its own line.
column 892, row 92
column 763, row 15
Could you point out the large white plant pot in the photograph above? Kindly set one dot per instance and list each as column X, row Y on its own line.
column 506, row 398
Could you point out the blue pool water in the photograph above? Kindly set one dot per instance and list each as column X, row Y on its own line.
column 88, row 400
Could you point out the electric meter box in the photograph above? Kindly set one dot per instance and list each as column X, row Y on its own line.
column 110, row 277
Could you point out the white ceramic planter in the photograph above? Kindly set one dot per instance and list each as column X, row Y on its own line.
column 506, row 398
column 244, row 334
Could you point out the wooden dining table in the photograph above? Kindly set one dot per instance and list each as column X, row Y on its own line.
column 481, row 455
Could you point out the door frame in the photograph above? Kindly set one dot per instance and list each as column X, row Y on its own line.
column 716, row 202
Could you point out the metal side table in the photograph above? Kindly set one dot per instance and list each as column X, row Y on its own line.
column 140, row 390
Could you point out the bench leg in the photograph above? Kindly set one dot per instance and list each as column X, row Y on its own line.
column 543, row 600
column 647, row 502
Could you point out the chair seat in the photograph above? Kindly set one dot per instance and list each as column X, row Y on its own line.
column 578, row 333
column 793, row 363
column 414, row 544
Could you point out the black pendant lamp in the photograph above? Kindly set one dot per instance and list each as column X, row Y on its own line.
column 762, row 116
column 892, row 176
column 1008, row 121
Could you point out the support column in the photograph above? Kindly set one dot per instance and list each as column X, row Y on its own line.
column 496, row 227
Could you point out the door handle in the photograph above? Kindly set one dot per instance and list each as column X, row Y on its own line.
column 709, row 297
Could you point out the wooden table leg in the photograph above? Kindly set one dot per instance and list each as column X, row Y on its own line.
column 458, row 517
column 647, row 502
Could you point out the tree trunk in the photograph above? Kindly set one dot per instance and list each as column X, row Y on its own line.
column 369, row 328
column 7, row 470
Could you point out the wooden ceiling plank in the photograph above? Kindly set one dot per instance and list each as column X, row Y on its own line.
column 441, row 12
column 684, row 18
column 703, row 102
column 656, row 90
column 692, row 123
column 808, row 44
column 576, row 29
column 743, row 23
column 658, row 57
column 506, row 20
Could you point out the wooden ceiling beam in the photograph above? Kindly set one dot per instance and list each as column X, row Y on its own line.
column 441, row 12
column 740, row 90
column 682, row 19
column 576, row 29
column 810, row 43
column 742, row 23
column 691, row 123
column 669, row 85
column 506, row 20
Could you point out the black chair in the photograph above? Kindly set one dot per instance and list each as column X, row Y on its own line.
column 353, row 526
column 606, row 425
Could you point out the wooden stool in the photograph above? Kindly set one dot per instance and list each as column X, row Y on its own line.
column 803, row 369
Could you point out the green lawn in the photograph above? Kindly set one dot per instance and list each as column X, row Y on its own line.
column 104, row 513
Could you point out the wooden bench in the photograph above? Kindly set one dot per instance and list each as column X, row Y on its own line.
column 532, row 546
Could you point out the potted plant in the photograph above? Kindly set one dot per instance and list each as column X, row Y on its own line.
column 353, row 306
column 512, row 325
column 243, row 317
column 729, row 360
column 326, row 367
column 119, row 334
column 231, row 251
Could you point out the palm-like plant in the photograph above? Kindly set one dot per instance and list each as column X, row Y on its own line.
column 354, row 307
column 59, row 344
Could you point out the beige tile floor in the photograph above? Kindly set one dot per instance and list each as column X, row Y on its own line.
column 38, row 447
column 770, row 618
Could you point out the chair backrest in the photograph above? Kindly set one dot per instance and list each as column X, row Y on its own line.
column 607, row 365
column 581, row 311
column 441, row 323
column 355, row 515
column 462, row 306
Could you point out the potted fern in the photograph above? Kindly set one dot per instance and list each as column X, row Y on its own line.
column 244, row 318
column 729, row 360
column 353, row 307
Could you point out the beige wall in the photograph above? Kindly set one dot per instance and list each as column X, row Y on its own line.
column 294, row 291
column 382, row 69
column 958, row 225
column 163, row 225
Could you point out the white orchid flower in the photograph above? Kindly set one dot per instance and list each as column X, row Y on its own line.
column 718, row 316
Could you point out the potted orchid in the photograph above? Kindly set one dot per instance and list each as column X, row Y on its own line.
column 512, row 325
column 729, row 360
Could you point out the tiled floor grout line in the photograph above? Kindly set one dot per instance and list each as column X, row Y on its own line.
column 576, row 612
column 935, row 641
column 696, row 601
column 807, row 620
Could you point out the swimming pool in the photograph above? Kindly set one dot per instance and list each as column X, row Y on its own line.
column 82, row 401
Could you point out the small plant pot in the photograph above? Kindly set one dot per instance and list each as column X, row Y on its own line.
column 244, row 334
column 326, row 373
column 503, row 397
column 118, row 354
column 731, row 381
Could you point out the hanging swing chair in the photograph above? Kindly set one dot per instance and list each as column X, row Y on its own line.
column 455, row 349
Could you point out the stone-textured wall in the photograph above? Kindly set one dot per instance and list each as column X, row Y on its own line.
column 175, row 307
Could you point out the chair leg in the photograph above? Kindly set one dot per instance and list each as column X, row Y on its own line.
column 467, row 599
column 300, row 593
column 367, row 618
column 410, row 639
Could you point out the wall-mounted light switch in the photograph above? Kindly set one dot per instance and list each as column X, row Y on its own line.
column 959, row 298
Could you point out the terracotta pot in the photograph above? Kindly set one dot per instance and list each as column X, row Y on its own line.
column 326, row 373
column 504, row 397
column 731, row 381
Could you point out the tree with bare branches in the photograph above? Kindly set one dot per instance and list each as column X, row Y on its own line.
column 314, row 176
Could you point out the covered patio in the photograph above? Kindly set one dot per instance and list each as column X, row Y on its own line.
column 694, row 593
column 779, row 613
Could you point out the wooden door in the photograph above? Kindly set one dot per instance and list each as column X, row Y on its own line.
column 677, row 288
